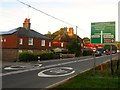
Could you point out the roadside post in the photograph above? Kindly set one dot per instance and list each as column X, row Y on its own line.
column 118, row 61
column 111, row 63
column 94, row 62
column 38, row 58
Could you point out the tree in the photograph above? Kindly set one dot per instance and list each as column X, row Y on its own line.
column 107, row 48
column 86, row 40
column 59, row 32
column 74, row 47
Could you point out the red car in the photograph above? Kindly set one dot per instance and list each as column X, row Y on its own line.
column 107, row 52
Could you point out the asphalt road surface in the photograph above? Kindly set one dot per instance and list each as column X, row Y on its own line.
column 47, row 74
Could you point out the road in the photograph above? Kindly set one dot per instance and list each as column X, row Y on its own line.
column 49, row 73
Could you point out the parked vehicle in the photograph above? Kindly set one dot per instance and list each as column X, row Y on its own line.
column 113, row 52
column 107, row 52
column 98, row 53
column 101, row 50
column 57, row 55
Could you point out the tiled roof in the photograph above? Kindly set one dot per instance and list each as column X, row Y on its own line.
column 8, row 32
column 23, row 32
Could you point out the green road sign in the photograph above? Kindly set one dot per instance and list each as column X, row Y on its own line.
column 103, row 32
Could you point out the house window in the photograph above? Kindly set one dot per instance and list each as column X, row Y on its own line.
column 61, row 44
column 1, row 40
column 20, row 41
column 49, row 44
column 30, row 41
column 4, row 40
column 43, row 43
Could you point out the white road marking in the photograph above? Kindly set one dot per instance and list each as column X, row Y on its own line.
column 56, row 70
column 9, row 73
column 15, row 67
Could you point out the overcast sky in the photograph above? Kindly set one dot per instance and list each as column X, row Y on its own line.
column 76, row 12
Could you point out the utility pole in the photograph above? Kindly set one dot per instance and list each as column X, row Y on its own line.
column 76, row 35
column 78, row 51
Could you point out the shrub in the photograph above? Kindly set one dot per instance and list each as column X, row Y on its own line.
column 45, row 55
column 27, row 56
column 87, row 52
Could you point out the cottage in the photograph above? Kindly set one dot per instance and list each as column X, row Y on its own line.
column 62, row 40
column 22, row 39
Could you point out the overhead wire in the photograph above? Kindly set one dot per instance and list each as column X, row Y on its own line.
column 45, row 13
column 49, row 15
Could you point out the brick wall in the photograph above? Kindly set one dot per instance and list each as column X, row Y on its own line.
column 9, row 55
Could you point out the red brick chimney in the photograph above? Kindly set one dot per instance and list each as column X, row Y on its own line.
column 26, row 24
column 71, row 31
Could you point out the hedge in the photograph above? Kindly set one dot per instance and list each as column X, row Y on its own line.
column 29, row 56
column 87, row 53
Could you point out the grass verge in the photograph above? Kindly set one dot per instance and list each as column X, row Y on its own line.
column 100, row 79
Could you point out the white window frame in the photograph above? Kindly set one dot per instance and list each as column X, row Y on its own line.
column 50, row 44
column 5, row 40
column 42, row 42
column 1, row 39
column 62, row 44
column 21, row 41
column 30, row 41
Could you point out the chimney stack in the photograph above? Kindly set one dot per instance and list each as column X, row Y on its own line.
column 71, row 31
column 27, row 24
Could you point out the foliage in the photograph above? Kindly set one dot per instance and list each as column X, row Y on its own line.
column 86, row 40
column 59, row 32
column 49, row 35
column 87, row 52
column 107, row 47
column 45, row 55
column 118, row 45
column 27, row 56
column 101, row 80
column 74, row 47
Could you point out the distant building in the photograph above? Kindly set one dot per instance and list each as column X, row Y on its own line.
column 62, row 40
column 22, row 39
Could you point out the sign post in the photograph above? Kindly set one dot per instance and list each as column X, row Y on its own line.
column 103, row 33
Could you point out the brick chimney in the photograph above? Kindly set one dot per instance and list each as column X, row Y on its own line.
column 27, row 24
column 71, row 31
